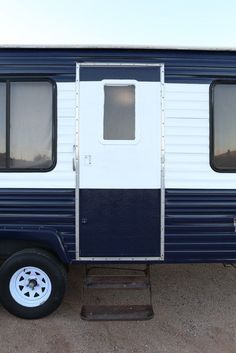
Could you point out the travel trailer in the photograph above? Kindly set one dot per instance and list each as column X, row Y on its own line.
column 112, row 155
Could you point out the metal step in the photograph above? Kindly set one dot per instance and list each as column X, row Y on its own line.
column 116, row 282
column 114, row 278
column 116, row 312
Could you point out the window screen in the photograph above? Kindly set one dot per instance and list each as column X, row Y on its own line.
column 119, row 113
column 27, row 125
column 223, row 120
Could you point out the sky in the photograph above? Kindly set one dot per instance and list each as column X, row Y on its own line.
column 179, row 23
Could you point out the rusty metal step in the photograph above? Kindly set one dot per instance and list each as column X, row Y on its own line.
column 116, row 312
column 116, row 282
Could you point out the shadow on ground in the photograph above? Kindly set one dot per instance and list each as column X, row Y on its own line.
column 194, row 313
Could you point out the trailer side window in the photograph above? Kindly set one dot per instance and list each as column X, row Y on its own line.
column 119, row 112
column 2, row 124
column 223, row 126
column 27, row 126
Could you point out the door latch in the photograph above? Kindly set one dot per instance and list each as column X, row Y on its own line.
column 87, row 160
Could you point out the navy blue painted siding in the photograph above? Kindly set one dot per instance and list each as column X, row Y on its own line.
column 53, row 209
column 181, row 65
column 200, row 225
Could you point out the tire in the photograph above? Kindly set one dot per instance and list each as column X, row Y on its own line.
column 32, row 283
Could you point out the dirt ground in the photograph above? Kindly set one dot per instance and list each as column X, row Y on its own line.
column 195, row 312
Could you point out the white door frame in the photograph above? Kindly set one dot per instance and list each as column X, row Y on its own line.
column 77, row 164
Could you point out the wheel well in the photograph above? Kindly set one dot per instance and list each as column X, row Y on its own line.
column 11, row 246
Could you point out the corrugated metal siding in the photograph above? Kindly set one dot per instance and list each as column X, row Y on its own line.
column 181, row 65
column 200, row 225
column 53, row 209
column 187, row 140
column 187, row 135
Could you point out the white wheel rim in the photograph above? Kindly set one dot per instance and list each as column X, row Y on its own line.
column 30, row 286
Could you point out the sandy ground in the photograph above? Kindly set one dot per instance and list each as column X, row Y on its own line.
column 195, row 312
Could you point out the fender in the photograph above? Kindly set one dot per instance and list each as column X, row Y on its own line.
column 15, row 239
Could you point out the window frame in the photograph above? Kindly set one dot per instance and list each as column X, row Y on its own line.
column 211, row 125
column 8, row 79
column 119, row 83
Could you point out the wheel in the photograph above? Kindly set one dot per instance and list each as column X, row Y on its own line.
column 32, row 283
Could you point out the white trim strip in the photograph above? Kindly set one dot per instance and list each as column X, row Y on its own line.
column 77, row 181
column 162, row 161
column 120, row 258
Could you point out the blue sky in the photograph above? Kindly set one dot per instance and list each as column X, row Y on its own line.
column 128, row 22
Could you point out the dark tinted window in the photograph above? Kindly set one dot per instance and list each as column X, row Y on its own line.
column 223, row 122
column 26, row 125
column 2, row 125
column 119, row 113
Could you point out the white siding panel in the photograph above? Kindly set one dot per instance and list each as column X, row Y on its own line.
column 194, row 140
column 186, row 143
column 184, row 123
column 191, row 96
column 64, row 148
column 185, row 104
column 187, row 140
column 66, row 112
column 183, row 158
column 186, row 149
column 186, row 113
column 62, row 176
column 188, row 131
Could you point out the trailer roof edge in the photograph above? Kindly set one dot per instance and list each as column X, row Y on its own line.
column 109, row 46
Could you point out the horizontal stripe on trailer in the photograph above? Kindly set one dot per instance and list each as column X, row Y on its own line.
column 199, row 225
column 188, row 66
column 51, row 209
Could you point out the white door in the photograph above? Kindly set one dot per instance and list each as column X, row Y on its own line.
column 119, row 167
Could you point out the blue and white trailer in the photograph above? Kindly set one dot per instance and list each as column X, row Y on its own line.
column 124, row 155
